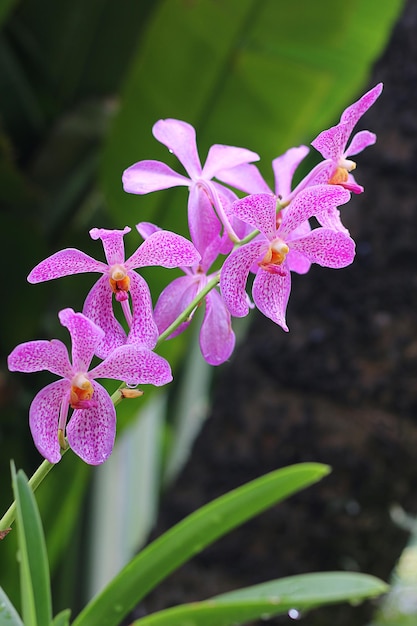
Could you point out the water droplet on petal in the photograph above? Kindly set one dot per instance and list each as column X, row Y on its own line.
column 294, row 614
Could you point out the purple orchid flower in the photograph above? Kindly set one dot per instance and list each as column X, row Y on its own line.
column 179, row 137
column 272, row 252
column 119, row 279
column 332, row 145
column 92, row 426
column 217, row 339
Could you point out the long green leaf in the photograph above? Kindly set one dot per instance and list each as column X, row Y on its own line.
column 293, row 594
column 191, row 536
column 62, row 619
column 8, row 614
column 34, row 569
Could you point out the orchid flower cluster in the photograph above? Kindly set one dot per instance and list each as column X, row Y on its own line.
column 267, row 233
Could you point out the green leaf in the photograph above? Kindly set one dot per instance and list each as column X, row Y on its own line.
column 261, row 74
column 191, row 536
column 277, row 597
column 62, row 619
column 8, row 614
column 34, row 569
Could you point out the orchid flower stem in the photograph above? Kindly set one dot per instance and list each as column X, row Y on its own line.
column 34, row 482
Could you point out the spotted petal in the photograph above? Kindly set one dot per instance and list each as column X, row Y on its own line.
column 65, row 263
column 166, row 249
column 271, row 292
column 113, row 243
column 85, row 336
column 234, row 275
column 44, row 416
column 91, row 432
column 135, row 365
column 98, row 306
column 326, row 247
column 143, row 329
column 35, row 356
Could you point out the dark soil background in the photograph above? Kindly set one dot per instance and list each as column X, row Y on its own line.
column 340, row 388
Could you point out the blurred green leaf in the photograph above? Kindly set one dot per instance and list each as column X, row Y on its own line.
column 256, row 73
column 191, row 536
column 34, row 570
column 5, row 8
column 276, row 597
column 8, row 614
column 62, row 619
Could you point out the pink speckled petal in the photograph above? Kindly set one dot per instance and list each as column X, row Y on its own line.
column 134, row 365
column 205, row 227
column 35, row 356
column 98, row 306
column 44, row 416
column 147, row 176
column 245, row 177
column 65, row 263
column 312, row 201
column 91, row 432
column 85, row 336
column 258, row 210
column 270, row 294
column 354, row 112
column 113, row 243
column 284, row 168
column 179, row 138
column 234, row 275
column 222, row 157
column 143, row 330
column 166, row 249
column 217, row 339
column 360, row 141
column 327, row 248
column 173, row 300
column 331, row 143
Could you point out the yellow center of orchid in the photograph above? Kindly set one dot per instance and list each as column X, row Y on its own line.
column 341, row 173
column 81, row 390
column 119, row 280
column 275, row 255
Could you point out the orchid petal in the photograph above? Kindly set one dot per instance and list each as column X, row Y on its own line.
column 203, row 223
column 147, row 228
column 297, row 262
column 245, row 177
column 217, row 339
column 36, row 356
column 135, row 365
column 271, row 292
column 113, row 243
column 147, row 176
column 143, row 330
column 64, row 263
column 166, row 249
column 331, row 143
column 284, row 168
column 85, row 336
column 326, row 248
column 43, row 418
column 173, row 300
column 312, row 201
column 354, row 112
column 234, row 275
column 179, row 138
column 258, row 210
column 98, row 306
column 222, row 157
column 91, row 432
column 359, row 142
